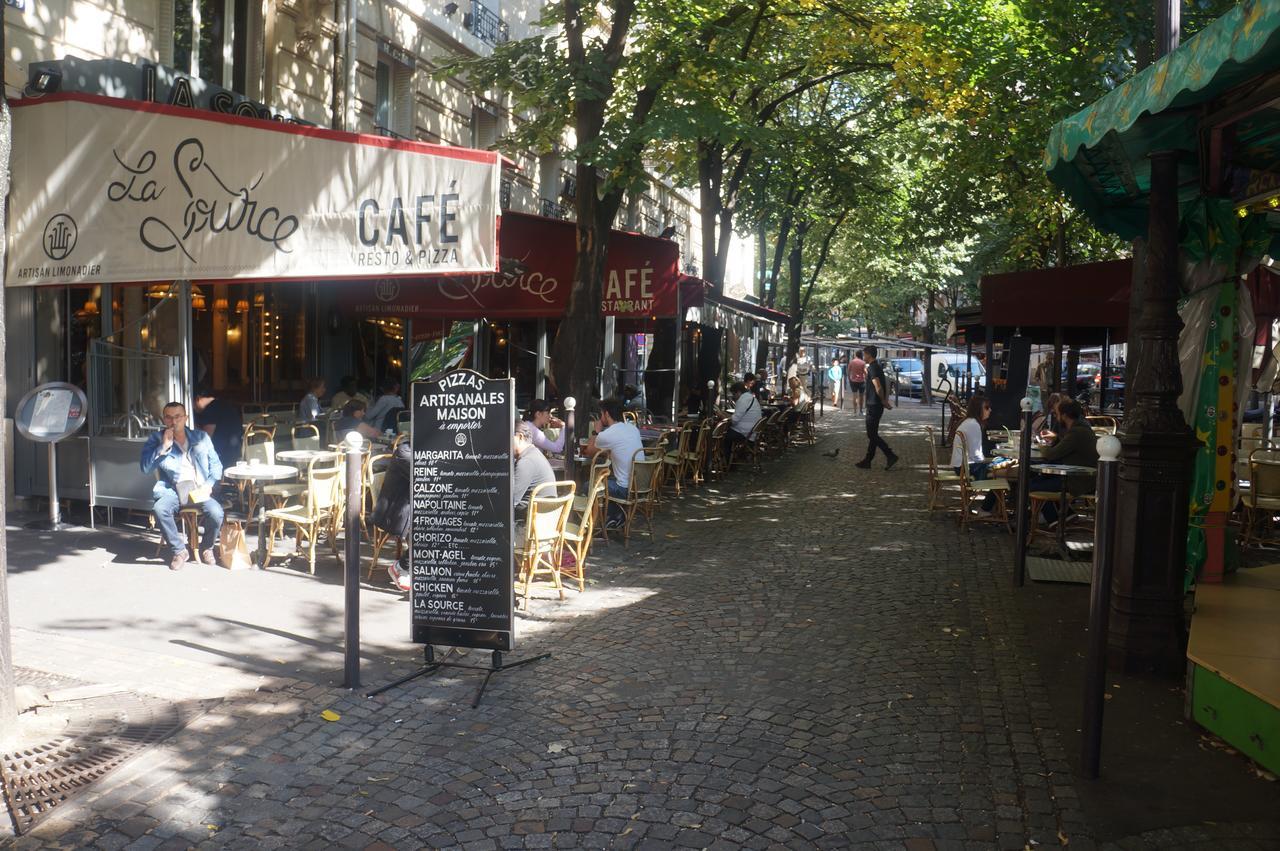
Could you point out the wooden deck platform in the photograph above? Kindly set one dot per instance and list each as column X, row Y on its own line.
column 1234, row 656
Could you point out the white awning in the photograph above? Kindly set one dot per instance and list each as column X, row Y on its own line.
column 107, row 190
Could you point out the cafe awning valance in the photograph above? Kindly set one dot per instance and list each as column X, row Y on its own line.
column 108, row 190
column 641, row 279
column 1099, row 156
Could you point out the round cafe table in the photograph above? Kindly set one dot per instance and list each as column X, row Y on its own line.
column 260, row 475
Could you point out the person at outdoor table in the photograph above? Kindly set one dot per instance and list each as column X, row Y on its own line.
column 352, row 419
column 1076, row 445
column 531, row 467
column 539, row 414
column 187, row 467
column 632, row 398
column 621, row 440
column 309, row 408
column 1046, row 425
column 223, row 422
column 746, row 413
column 385, row 407
column 973, row 427
column 393, row 513
column 346, row 392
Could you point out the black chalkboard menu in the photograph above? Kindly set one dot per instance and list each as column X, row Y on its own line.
column 461, row 557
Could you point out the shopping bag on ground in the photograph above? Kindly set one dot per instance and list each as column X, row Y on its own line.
column 235, row 552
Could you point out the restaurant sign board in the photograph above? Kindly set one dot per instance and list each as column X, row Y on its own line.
column 461, row 548
column 641, row 279
column 108, row 190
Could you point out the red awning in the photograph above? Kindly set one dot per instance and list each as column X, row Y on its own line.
column 641, row 279
column 1091, row 295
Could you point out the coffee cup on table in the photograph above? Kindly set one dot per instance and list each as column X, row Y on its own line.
column 253, row 462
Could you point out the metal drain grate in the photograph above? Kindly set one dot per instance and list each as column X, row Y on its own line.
column 99, row 735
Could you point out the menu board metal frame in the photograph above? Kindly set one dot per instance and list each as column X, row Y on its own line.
column 460, row 542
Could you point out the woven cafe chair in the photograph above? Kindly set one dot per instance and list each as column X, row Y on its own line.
column 259, row 445
column 773, row 435
column 750, row 447
column 306, row 436
column 321, row 501
column 640, row 493
column 940, row 479
column 1261, row 502
column 578, row 533
column 700, row 449
column 1101, row 424
column 539, row 552
column 630, row 417
column 677, row 461
column 806, row 430
column 717, row 464
column 971, row 490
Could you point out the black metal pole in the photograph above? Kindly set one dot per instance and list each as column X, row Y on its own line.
column 1095, row 679
column 570, row 438
column 1106, row 370
column 1023, row 499
column 991, row 358
column 351, row 570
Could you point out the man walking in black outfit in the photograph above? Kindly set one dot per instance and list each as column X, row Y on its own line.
column 877, row 402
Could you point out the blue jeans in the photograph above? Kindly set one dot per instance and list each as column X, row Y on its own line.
column 616, row 490
column 166, row 510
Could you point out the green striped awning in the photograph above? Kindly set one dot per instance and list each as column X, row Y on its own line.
column 1099, row 156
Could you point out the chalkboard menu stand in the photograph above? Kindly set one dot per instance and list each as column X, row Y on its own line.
column 460, row 549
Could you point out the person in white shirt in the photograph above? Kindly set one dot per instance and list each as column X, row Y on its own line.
column 621, row 440
column 972, row 427
column 309, row 408
column 746, row 413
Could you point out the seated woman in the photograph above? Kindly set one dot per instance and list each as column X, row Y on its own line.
column 539, row 414
column 796, row 398
column 352, row 419
column 973, row 429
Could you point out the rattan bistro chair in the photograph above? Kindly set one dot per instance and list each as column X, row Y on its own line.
column 1262, row 500
column 578, row 533
column 677, row 462
column 701, row 449
column 306, row 436
column 321, row 498
column 940, row 480
column 971, row 490
column 641, row 489
column 540, row 550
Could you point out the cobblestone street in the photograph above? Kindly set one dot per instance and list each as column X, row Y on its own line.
column 801, row 659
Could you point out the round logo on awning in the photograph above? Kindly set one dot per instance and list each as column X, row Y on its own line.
column 387, row 289
column 60, row 236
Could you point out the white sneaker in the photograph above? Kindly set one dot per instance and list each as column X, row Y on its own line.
column 398, row 577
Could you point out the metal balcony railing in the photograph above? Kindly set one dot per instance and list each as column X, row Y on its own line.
column 486, row 24
column 552, row 209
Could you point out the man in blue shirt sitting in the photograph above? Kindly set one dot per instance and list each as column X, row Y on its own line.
column 187, row 468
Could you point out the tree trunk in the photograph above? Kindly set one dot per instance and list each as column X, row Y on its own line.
column 575, row 354
column 795, row 270
column 709, row 172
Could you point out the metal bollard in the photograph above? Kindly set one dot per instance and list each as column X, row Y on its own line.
column 351, row 570
column 1024, row 501
column 1104, row 552
column 570, row 438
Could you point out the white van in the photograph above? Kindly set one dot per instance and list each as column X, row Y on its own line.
column 953, row 368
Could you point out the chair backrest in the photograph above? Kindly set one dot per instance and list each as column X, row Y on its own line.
column 261, row 423
column 375, row 470
column 644, row 470
column 549, row 506
column 1102, row 424
column 933, row 451
column 260, row 444
column 704, row 437
column 1264, row 475
column 324, row 486
column 718, row 432
column 630, row 417
column 306, row 436
column 964, row 459
column 686, row 432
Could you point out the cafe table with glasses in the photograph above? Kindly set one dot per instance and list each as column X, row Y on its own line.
column 260, row 475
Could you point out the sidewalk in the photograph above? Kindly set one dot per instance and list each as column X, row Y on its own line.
column 801, row 658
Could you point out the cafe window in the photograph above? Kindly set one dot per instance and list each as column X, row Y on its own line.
column 207, row 39
column 393, row 98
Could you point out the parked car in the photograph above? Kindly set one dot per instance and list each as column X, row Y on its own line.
column 906, row 376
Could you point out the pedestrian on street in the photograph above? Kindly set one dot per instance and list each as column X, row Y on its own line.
column 836, row 376
column 877, row 404
column 858, row 382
